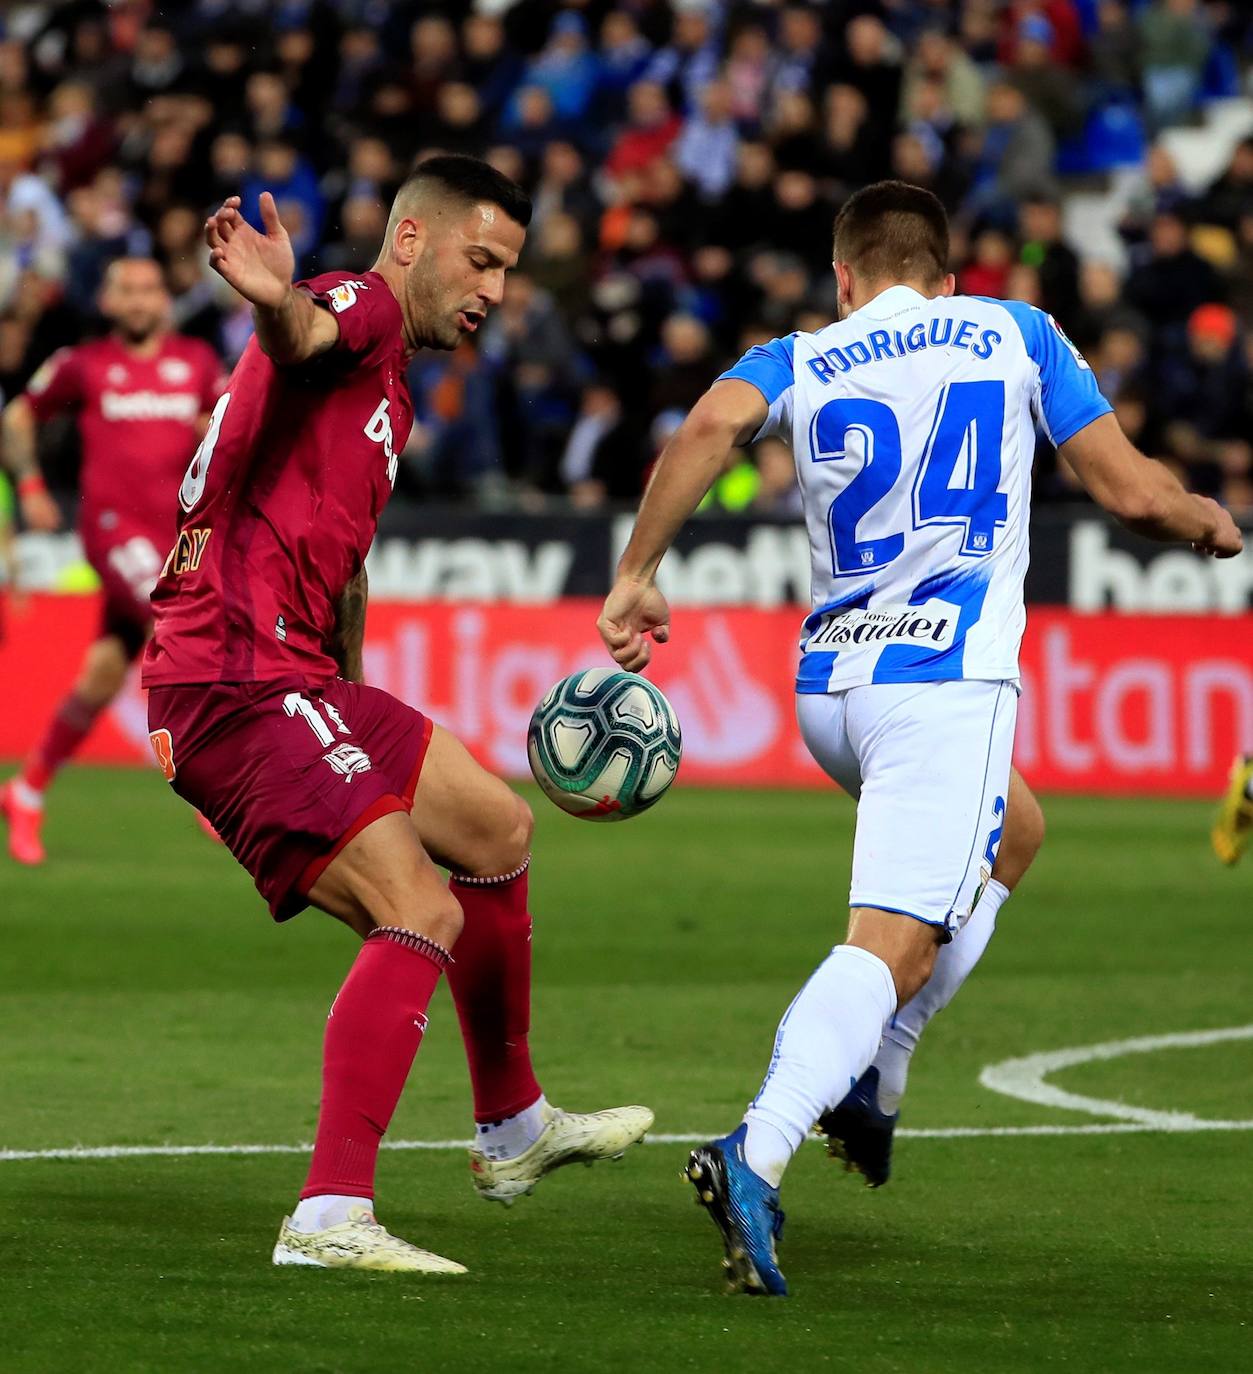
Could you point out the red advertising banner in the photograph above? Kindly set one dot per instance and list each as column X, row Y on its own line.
column 1112, row 704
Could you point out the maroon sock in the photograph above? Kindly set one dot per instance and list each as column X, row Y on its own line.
column 491, row 986
column 66, row 731
column 372, row 1034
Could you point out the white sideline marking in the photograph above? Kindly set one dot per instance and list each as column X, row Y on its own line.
column 925, row 1133
column 1024, row 1079
column 1020, row 1078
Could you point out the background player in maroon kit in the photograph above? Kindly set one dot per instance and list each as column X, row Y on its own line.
column 330, row 792
column 141, row 396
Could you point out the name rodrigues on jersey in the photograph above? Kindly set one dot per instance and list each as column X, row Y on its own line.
column 941, row 332
column 933, row 624
column 150, row 405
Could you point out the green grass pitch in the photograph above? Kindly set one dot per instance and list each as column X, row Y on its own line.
column 147, row 999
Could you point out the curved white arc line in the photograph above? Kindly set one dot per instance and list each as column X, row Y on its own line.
column 1024, row 1078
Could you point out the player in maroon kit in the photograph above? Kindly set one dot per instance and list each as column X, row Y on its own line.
column 142, row 397
column 329, row 792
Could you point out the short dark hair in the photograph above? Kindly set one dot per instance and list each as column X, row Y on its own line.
column 893, row 229
column 472, row 180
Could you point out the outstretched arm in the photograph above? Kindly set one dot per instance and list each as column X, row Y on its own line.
column 290, row 328
column 349, row 636
column 39, row 510
column 729, row 413
column 1145, row 495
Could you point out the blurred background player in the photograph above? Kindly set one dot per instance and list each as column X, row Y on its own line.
column 8, row 548
column 912, row 420
column 329, row 792
column 1234, row 822
column 141, row 397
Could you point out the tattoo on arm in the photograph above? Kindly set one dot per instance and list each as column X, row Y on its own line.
column 349, row 636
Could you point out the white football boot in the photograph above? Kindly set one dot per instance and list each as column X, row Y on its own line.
column 358, row 1243
column 567, row 1138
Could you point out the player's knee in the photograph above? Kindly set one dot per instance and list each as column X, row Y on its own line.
column 520, row 837
column 104, row 671
column 912, row 972
column 1024, row 834
column 504, row 840
column 437, row 915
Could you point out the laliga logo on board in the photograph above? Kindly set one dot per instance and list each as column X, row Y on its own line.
column 726, row 714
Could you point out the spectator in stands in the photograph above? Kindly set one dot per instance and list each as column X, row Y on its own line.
column 1172, row 280
column 938, row 58
column 778, row 492
column 690, row 61
column 455, row 451
column 566, row 68
column 1044, row 248
column 872, row 63
column 625, row 55
column 801, row 58
column 537, row 370
column 434, row 60
column 1120, row 358
column 651, row 127
column 489, row 64
column 564, row 186
column 558, row 262
column 604, row 457
column 77, row 141
column 682, row 365
column 1230, row 198
column 707, row 148
column 749, row 73
column 988, row 272
column 1015, row 157
column 1174, row 48
column 1204, row 385
column 1049, row 89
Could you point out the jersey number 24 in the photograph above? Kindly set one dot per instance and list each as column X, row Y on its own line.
column 956, row 483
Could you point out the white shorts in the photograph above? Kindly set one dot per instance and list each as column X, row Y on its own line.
column 928, row 764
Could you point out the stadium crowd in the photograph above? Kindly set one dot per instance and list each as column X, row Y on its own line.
column 686, row 159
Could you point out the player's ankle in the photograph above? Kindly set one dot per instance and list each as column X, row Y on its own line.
column 32, row 798
column 767, row 1151
column 512, row 1135
column 325, row 1209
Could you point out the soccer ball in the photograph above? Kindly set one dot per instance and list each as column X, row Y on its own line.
column 604, row 744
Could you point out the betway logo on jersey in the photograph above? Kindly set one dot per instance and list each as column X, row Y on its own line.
column 931, row 625
column 150, row 405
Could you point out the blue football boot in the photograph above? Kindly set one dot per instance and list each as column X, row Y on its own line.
column 859, row 1133
column 745, row 1208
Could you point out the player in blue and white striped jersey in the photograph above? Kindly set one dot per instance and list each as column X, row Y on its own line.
column 912, row 421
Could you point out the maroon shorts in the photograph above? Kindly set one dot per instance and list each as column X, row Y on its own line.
column 288, row 774
column 128, row 564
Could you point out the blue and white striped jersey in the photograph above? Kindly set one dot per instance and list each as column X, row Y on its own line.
column 913, row 426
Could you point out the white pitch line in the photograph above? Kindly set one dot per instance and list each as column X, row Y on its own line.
column 1024, row 1079
column 1020, row 1078
column 77, row 1152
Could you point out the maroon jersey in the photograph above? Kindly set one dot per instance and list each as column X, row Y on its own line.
column 282, row 499
column 138, row 420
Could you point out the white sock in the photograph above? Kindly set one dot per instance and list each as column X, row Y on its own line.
column 825, row 1042
column 952, row 967
column 26, row 795
column 514, row 1135
column 325, row 1209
